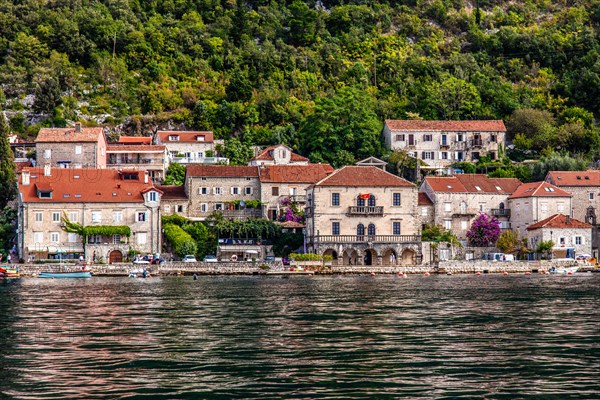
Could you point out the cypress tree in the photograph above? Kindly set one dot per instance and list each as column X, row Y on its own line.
column 8, row 177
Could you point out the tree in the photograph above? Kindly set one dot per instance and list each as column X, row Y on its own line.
column 545, row 247
column 8, row 179
column 175, row 174
column 485, row 231
column 47, row 96
column 557, row 162
column 238, row 153
column 509, row 241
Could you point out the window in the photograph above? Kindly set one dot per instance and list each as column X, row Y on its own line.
column 173, row 138
column 235, row 190
column 204, row 207
column 463, row 207
column 561, row 241
column 396, row 199
column 427, row 138
column 475, row 156
column 38, row 237
column 335, row 228
column 141, row 237
column 335, row 199
column 448, row 224
column 424, row 212
column 428, row 155
column 492, row 155
column 45, row 195
column 152, row 196
column 248, row 191
column 464, row 225
column 217, row 190
column 372, row 201
column 203, row 190
column 200, row 154
column 560, row 207
column 117, row 216
column 200, row 138
column 591, row 196
column 293, row 191
column 141, row 216
column 544, row 207
column 282, row 154
column 481, row 207
column 444, row 155
column 275, row 191
column 578, row 240
column 396, row 228
column 371, row 230
column 54, row 237
column 77, row 149
column 549, row 189
column 218, row 206
column 360, row 231
column 39, row 216
column 94, row 239
column 460, row 137
column 55, row 217
column 72, row 237
column 47, row 153
column 493, row 138
column 478, row 188
column 180, row 208
column 459, row 155
column 360, row 200
column 400, row 138
column 116, row 239
column 167, row 209
column 447, row 207
column 96, row 216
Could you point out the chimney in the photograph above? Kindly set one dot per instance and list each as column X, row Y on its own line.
column 568, row 219
column 25, row 178
column 145, row 176
column 47, row 169
column 77, row 127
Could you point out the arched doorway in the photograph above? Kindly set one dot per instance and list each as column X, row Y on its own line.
column 115, row 256
column 370, row 257
column 350, row 257
column 333, row 254
column 390, row 257
column 408, row 257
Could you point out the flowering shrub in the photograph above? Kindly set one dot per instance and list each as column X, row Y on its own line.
column 291, row 212
column 484, row 231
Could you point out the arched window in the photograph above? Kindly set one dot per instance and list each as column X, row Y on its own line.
column 360, row 202
column 502, row 206
column 360, row 231
column 371, row 230
column 372, row 201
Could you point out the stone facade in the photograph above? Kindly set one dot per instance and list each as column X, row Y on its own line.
column 442, row 143
column 278, row 155
column 363, row 215
column 570, row 236
column 189, row 146
column 71, row 147
column 139, row 157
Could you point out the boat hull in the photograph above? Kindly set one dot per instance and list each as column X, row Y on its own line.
column 563, row 270
column 9, row 272
column 65, row 275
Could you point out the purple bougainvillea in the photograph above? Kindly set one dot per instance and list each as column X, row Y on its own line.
column 484, row 231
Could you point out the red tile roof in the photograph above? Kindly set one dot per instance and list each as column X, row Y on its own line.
column 539, row 189
column 469, row 183
column 74, row 185
column 119, row 148
column 559, row 221
column 133, row 140
column 266, row 154
column 60, row 135
column 574, row 178
column 424, row 200
column 20, row 165
column 363, row 176
column 172, row 192
column 454, row 126
column 310, row 173
column 229, row 171
column 185, row 136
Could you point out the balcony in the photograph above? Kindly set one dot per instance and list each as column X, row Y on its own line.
column 476, row 143
column 366, row 238
column 242, row 214
column 112, row 161
column 500, row 212
column 365, row 210
column 199, row 160
column 297, row 198
column 444, row 144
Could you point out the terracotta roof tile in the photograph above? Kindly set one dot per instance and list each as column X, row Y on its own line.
column 454, row 126
column 310, row 173
column 539, row 189
column 20, row 165
column 199, row 170
column 115, row 148
column 472, row 183
column 424, row 200
column 574, row 178
column 559, row 221
column 74, row 185
column 267, row 156
column 363, row 176
column 172, row 192
column 133, row 140
column 185, row 136
column 60, row 135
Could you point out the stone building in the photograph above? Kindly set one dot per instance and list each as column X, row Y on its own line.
column 277, row 155
column 150, row 158
column 76, row 147
column 426, row 209
column 458, row 199
column 442, row 143
column 364, row 215
column 534, row 202
column 222, row 188
column 100, row 198
column 584, row 186
column 281, row 185
column 570, row 236
column 187, row 147
column 174, row 200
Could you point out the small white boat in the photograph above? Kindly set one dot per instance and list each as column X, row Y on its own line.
column 564, row 270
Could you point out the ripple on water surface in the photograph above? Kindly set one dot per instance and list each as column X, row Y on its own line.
column 318, row 337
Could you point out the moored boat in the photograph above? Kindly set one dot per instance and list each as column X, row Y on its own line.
column 9, row 272
column 564, row 270
column 59, row 275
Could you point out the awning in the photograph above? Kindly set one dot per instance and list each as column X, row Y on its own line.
column 55, row 249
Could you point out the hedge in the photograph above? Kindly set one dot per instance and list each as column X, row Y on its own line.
column 181, row 241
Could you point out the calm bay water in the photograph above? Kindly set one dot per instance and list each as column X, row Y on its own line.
column 340, row 337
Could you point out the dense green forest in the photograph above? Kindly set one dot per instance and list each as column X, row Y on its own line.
column 319, row 76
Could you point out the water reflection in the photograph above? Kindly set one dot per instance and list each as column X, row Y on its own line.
column 340, row 337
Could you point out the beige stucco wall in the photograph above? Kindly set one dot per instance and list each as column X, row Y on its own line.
column 526, row 211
